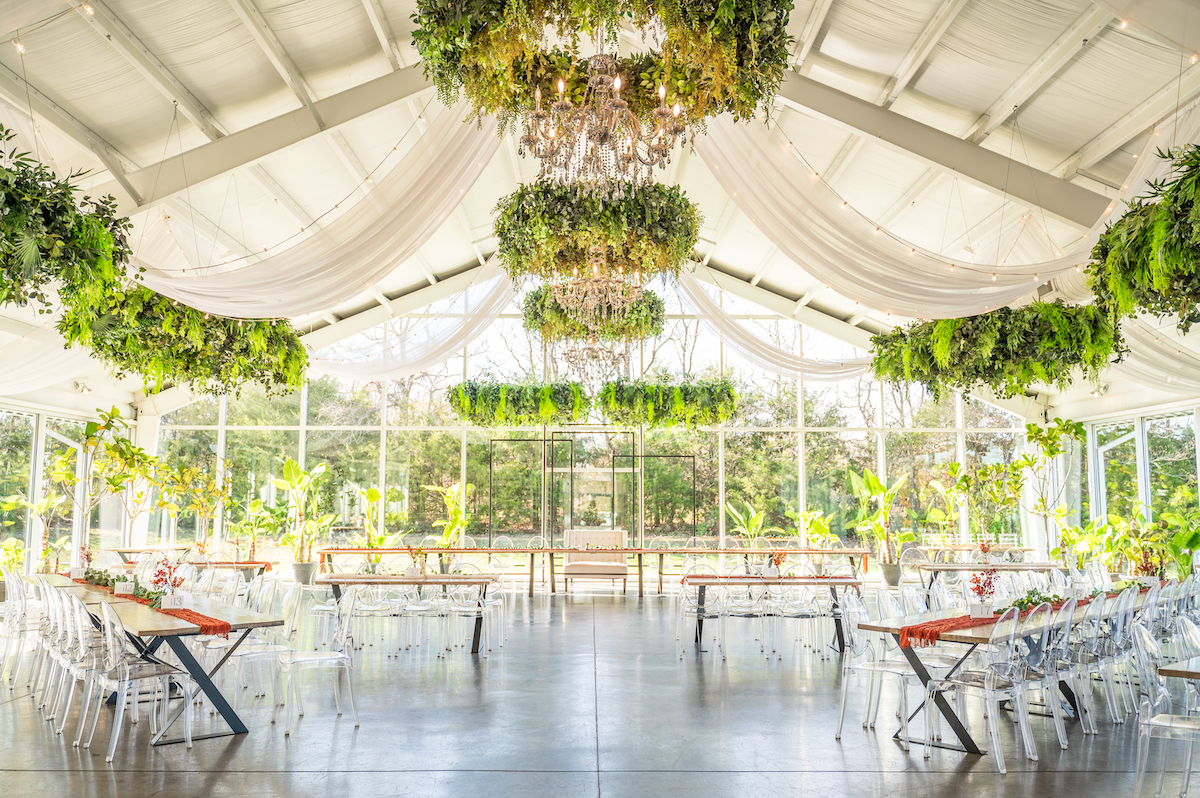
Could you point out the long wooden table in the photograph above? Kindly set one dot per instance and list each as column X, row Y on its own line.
column 338, row 581
column 703, row 582
column 148, row 629
column 972, row 637
column 126, row 552
column 935, row 568
column 327, row 555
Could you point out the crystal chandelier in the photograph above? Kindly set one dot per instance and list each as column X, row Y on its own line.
column 594, row 360
column 599, row 297
column 601, row 143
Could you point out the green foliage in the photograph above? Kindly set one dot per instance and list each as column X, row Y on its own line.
column 1008, row 349
column 49, row 241
column 258, row 519
column 1033, row 598
column 747, row 522
column 1146, row 261
column 546, row 230
column 457, row 519
column 545, row 316
column 308, row 525
column 718, row 55
column 661, row 402
column 12, row 553
column 872, row 492
column 506, row 404
column 815, row 526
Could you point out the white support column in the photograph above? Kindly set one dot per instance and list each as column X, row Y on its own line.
column 964, row 507
column 33, row 525
column 145, row 435
column 1142, row 460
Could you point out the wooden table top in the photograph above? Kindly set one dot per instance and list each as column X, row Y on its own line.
column 164, row 547
column 983, row 566
column 143, row 621
column 773, row 580
column 626, row 550
column 1187, row 669
column 401, row 579
column 972, row 547
column 91, row 595
column 975, row 635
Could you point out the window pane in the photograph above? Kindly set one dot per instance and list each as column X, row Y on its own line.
column 993, row 523
column 910, row 405
column 420, row 399
column 255, row 458
column 1118, row 464
column 919, row 457
column 16, row 454
column 351, row 458
column 189, row 449
column 506, row 468
column 416, row 459
column 205, row 411
column 761, row 470
column 344, row 403
column 255, row 408
column 978, row 414
column 828, row 456
column 1171, row 443
column 671, row 488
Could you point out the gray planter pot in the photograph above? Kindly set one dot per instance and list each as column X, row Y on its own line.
column 891, row 573
column 304, row 572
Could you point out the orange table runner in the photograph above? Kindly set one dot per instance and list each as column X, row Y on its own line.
column 208, row 625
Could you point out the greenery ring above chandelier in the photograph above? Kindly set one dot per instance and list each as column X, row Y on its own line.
column 713, row 56
column 556, row 231
column 549, row 319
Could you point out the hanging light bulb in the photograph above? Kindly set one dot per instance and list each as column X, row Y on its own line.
column 20, row 47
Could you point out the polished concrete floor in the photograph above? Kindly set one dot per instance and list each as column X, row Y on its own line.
column 586, row 698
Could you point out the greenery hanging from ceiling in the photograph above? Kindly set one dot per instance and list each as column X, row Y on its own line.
column 716, row 56
column 546, row 317
column 50, row 241
column 489, row 403
column 546, row 230
column 1147, row 261
column 660, row 401
column 1006, row 350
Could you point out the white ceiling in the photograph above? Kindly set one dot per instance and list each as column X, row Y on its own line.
column 142, row 81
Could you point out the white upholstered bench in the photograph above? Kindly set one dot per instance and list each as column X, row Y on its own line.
column 596, row 564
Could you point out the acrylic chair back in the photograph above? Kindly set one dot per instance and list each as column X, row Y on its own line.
column 345, row 615
column 1032, row 640
column 691, row 593
column 229, row 590
column 1061, row 629
column 114, row 638
column 1189, row 636
column 1002, row 642
column 854, row 612
column 940, row 598
column 1148, row 655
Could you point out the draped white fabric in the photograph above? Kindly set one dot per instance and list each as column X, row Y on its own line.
column 762, row 353
column 359, row 248
column 39, row 360
column 1157, row 361
column 1173, row 22
column 425, row 342
column 809, row 223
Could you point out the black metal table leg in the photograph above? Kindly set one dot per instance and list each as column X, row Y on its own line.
column 837, row 620
column 532, row 557
column 479, row 621
column 700, row 619
column 964, row 737
column 204, row 681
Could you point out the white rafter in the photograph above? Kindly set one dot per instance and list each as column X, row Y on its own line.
column 812, row 29
column 765, row 266
column 922, row 47
column 271, row 47
column 383, row 31
column 285, row 200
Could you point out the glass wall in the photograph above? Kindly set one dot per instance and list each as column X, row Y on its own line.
column 1141, row 466
column 790, row 449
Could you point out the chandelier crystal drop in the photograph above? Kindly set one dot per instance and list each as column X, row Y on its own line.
column 601, row 143
column 594, row 360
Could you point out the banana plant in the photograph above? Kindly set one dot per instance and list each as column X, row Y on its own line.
column 748, row 522
column 454, row 525
column 872, row 492
column 12, row 553
column 46, row 509
column 307, row 524
column 372, row 537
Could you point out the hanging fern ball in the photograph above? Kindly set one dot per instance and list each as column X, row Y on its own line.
column 546, row 317
column 718, row 56
column 1007, row 350
column 660, row 402
column 546, row 230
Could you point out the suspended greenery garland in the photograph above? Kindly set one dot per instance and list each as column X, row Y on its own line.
column 717, row 55
column 546, row 230
column 546, row 317
column 488, row 403
column 1147, row 261
column 662, row 402
column 1008, row 349
column 47, row 237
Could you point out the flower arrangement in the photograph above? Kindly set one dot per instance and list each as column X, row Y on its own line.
column 1035, row 597
column 545, row 316
column 983, row 584
column 546, row 230
column 85, row 557
column 778, row 558
column 1007, row 350
column 716, row 55
column 164, row 577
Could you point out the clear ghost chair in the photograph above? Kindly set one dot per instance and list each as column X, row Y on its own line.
column 913, row 599
column 340, row 658
column 1155, row 718
column 692, row 607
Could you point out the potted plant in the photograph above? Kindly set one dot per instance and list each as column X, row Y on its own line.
column 130, row 475
column 814, row 526
column 457, row 519
column 871, row 492
column 372, row 536
column 306, row 524
column 748, row 522
column 46, row 510
column 257, row 520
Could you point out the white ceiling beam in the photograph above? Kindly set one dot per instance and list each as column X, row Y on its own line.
column 207, row 228
column 153, row 70
column 383, row 31
column 426, row 269
column 379, row 314
column 281, row 196
column 341, row 148
column 1159, row 106
column 841, row 161
column 812, row 29
column 271, row 47
column 246, row 147
column 916, row 56
column 915, row 193
column 381, row 299
column 719, row 228
column 765, row 266
column 989, row 170
column 23, row 96
column 1048, row 64
column 784, row 307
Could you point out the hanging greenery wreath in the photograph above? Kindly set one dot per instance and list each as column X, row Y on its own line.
column 49, row 240
column 717, row 55
column 1149, row 260
column 1008, row 350
column 546, row 317
column 489, row 403
column 546, row 230
column 663, row 402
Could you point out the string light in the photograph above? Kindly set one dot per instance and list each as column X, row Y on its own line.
column 20, row 47
column 91, row 12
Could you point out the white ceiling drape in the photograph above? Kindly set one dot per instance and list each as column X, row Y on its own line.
column 356, row 250
column 811, row 224
column 1157, row 361
column 762, row 353
column 39, row 360
column 422, row 343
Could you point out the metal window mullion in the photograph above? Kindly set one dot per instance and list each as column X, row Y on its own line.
column 964, row 504
column 36, row 457
column 1142, row 461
